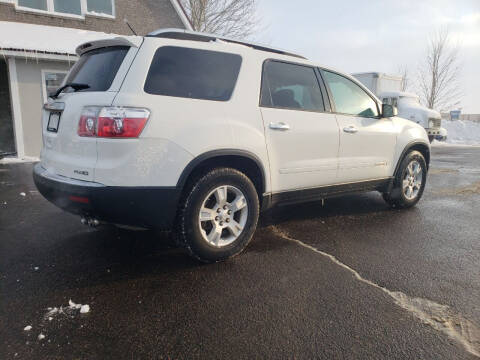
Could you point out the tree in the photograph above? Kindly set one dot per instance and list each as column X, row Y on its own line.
column 229, row 18
column 405, row 74
column 439, row 76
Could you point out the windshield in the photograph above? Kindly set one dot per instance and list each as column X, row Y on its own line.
column 97, row 68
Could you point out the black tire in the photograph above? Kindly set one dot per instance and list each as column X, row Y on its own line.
column 188, row 228
column 397, row 198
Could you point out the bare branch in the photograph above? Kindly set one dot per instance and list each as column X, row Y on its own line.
column 233, row 18
column 439, row 85
column 405, row 74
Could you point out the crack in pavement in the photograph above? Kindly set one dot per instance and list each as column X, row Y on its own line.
column 440, row 317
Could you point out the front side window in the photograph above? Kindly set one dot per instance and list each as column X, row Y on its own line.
column 290, row 86
column 349, row 98
column 97, row 68
column 193, row 73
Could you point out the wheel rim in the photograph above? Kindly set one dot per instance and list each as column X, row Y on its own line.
column 223, row 215
column 412, row 180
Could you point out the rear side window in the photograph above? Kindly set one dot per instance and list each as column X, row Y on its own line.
column 350, row 98
column 193, row 73
column 290, row 86
column 97, row 68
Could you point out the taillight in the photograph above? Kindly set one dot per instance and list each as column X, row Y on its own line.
column 88, row 121
column 112, row 122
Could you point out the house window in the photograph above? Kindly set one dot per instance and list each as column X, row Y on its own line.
column 51, row 81
column 33, row 4
column 100, row 6
column 68, row 8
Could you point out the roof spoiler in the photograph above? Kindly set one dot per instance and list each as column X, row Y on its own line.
column 117, row 41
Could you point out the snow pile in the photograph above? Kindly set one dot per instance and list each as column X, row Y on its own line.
column 44, row 38
column 69, row 310
column 462, row 132
column 14, row 160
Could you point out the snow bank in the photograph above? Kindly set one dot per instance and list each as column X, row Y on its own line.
column 462, row 132
column 44, row 38
column 14, row 160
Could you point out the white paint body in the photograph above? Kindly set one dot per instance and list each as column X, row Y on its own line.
column 314, row 152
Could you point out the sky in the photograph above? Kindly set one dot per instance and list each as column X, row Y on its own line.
column 376, row 35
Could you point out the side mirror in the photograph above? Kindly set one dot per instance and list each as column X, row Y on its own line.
column 389, row 110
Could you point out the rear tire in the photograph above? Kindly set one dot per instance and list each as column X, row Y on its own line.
column 409, row 182
column 218, row 215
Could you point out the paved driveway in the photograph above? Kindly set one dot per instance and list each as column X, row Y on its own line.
column 352, row 279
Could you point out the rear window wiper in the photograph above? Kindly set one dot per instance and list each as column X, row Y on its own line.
column 74, row 86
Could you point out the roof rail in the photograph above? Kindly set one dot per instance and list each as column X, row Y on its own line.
column 180, row 34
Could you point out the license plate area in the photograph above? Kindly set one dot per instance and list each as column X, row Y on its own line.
column 53, row 121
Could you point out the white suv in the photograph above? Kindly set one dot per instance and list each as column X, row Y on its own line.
column 189, row 131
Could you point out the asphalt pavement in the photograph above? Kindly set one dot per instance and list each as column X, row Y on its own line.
column 349, row 279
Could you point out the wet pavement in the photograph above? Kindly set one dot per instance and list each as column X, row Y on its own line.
column 350, row 279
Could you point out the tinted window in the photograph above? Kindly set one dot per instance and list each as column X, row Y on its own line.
column 349, row 98
column 290, row 86
column 193, row 73
column 98, row 68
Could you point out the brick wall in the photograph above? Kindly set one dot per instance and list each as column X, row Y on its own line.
column 144, row 16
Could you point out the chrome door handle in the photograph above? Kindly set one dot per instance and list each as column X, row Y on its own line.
column 279, row 126
column 350, row 129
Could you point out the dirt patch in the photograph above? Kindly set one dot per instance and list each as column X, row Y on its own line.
column 442, row 171
column 471, row 189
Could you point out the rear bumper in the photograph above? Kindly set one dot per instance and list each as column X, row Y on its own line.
column 151, row 207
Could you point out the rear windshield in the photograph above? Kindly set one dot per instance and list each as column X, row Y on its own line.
column 193, row 73
column 97, row 68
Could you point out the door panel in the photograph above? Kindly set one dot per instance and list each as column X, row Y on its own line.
column 367, row 142
column 305, row 155
column 366, row 153
column 302, row 139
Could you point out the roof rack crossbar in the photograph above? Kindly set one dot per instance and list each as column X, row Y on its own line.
column 180, row 34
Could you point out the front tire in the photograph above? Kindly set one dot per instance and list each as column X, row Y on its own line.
column 409, row 182
column 219, row 215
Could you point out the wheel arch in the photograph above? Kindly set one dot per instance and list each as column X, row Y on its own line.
column 420, row 146
column 242, row 160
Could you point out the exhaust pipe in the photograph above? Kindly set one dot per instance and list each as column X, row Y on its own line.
column 89, row 221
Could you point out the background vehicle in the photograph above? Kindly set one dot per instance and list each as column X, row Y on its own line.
column 186, row 130
column 388, row 89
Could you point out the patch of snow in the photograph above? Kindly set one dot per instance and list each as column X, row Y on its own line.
column 462, row 132
column 27, row 328
column 69, row 310
column 41, row 336
column 23, row 194
column 15, row 160
column 32, row 37
column 72, row 305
